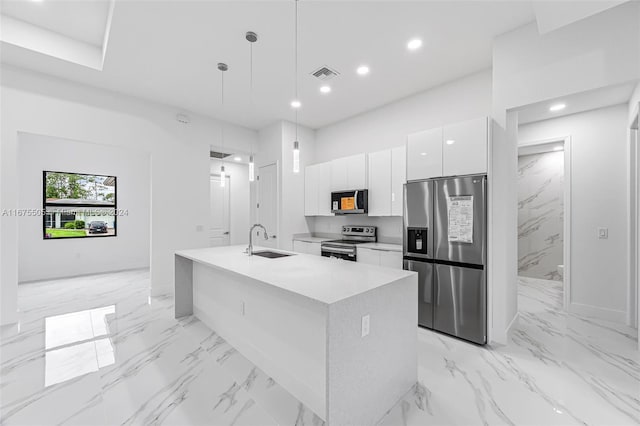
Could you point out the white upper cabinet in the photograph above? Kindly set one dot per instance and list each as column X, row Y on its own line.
column 349, row 173
column 317, row 190
column 324, row 189
column 357, row 172
column 311, row 193
column 424, row 154
column 398, row 179
column 380, row 183
column 465, row 148
column 339, row 179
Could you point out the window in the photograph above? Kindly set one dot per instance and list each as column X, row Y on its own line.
column 78, row 205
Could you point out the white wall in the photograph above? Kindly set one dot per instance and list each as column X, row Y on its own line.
column 239, row 197
column 276, row 146
column 293, row 220
column 42, row 259
column 34, row 103
column 599, row 51
column 599, row 198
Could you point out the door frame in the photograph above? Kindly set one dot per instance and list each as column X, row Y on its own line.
column 278, row 186
column 634, row 221
column 566, row 225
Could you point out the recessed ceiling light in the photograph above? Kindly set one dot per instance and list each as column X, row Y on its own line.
column 325, row 89
column 558, row 148
column 363, row 70
column 296, row 104
column 450, row 142
column 237, row 159
column 414, row 44
column 557, row 107
column 423, row 153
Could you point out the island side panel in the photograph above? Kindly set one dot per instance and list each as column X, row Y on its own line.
column 183, row 283
column 366, row 376
column 282, row 333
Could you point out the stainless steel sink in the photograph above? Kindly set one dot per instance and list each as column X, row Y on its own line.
column 270, row 254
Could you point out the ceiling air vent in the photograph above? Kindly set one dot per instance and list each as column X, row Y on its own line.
column 325, row 73
column 218, row 155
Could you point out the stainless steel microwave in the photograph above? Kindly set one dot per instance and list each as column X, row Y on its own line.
column 350, row 202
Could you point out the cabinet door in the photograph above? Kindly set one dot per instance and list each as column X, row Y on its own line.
column 324, row 189
column 391, row 259
column 380, row 183
column 398, row 178
column 424, row 154
column 339, row 181
column 368, row 256
column 311, row 190
column 314, row 248
column 357, row 172
column 465, row 148
column 300, row 246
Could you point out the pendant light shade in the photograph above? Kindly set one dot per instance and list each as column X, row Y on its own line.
column 296, row 157
column 252, row 173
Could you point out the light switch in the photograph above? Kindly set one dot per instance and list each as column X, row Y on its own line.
column 365, row 325
column 603, row 233
column 199, row 228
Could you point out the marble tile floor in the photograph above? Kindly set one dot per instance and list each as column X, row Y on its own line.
column 100, row 350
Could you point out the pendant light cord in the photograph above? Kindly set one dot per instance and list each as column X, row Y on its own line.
column 296, row 64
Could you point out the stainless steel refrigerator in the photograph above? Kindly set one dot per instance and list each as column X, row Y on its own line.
column 445, row 242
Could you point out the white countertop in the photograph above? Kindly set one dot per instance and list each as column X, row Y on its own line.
column 382, row 246
column 319, row 278
column 310, row 239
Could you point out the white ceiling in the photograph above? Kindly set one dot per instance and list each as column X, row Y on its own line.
column 83, row 21
column 576, row 103
column 167, row 51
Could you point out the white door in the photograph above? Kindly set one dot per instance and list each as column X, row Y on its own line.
column 219, row 206
column 398, row 178
column 424, row 154
column 380, row 183
column 267, row 206
column 464, row 151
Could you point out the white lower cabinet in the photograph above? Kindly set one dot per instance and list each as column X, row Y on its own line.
column 306, row 247
column 380, row 257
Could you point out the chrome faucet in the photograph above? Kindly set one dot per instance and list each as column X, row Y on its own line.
column 249, row 249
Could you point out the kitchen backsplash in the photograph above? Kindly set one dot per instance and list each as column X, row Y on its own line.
column 389, row 228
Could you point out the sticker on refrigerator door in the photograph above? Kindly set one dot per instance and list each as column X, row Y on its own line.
column 460, row 210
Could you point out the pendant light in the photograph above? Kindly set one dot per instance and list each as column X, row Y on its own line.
column 296, row 102
column 222, row 67
column 251, row 38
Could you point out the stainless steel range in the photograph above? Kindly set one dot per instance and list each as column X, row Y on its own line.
column 345, row 248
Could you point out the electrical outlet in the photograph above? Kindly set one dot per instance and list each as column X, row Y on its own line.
column 365, row 325
column 603, row 233
column 199, row 228
column 242, row 311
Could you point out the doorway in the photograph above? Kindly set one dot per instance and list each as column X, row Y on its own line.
column 543, row 213
column 267, row 206
column 219, row 234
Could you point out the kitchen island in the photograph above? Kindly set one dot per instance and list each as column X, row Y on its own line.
column 339, row 336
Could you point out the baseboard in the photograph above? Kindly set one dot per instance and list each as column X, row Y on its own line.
column 597, row 312
column 136, row 268
column 512, row 325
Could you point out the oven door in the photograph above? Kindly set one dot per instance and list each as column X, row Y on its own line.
column 344, row 253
